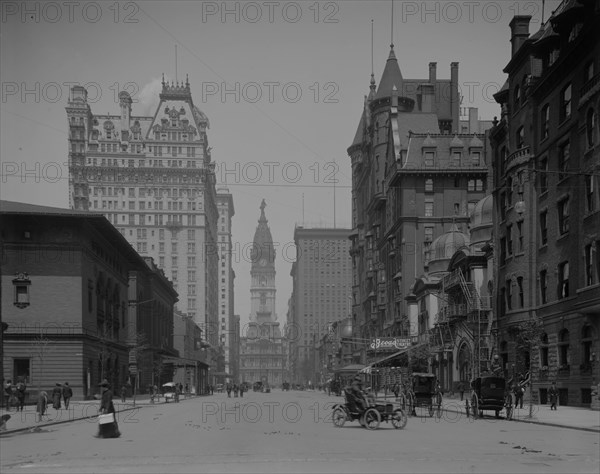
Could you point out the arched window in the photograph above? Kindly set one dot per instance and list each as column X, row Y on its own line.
column 590, row 125
column 563, row 349
column 517, row 98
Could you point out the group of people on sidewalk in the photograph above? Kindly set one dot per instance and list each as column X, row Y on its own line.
column 15, row 394
column 236, row 389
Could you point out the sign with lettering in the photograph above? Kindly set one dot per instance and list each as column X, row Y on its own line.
column 389, row 343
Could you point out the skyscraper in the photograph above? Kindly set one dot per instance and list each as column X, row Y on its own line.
column 153, row 178
column 322, row 276
column 226, row 279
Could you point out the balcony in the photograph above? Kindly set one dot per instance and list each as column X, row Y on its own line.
column 518, row 157
column 452, row 311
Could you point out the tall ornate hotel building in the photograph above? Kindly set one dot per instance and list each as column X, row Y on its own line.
column 153, row 178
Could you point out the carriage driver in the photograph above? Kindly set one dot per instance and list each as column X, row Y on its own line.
column 357, row 390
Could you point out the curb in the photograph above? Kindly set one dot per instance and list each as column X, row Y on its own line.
column 60, row 422
column 544, row 423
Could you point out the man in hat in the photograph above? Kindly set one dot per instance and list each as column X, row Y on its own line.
column 356, row 389
column 496, row 368
column 67, row 393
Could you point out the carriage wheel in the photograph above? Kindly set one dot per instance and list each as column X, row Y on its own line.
column 508, row 406
column 372, row 419
column 339, row 417
column 439, row 406
column 399, row 419
column 475, row 407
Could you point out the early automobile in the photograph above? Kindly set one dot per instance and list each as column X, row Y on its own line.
column 372, row 416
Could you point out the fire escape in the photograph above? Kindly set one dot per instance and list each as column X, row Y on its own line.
column 466, row 313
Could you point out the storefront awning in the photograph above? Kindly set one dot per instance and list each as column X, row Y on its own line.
column 396, row 354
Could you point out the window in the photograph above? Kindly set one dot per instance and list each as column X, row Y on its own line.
column 502, row 206
column 564, row 152
column 509, row 241
column 545, row 121
column 543, row 173
column 516, row 98
column 543, row 287
column 521, row 292
column 429, row 185
column 590, row 126
column 509, row 295
column 590, row 191
column 428, row 208
column 563, row 216
column 520, row 237
column 428, row 234
column 471, row 185
column 502, row 301
column 563, row 349
column 591, row 257
column 565, row 103
column 587, row 338
column 476, row 158
column 429, row 158
column 563, row 280
column 21, row 285
column 21, row 370
column 479, row 185
column 520, row 137
column 544, row 227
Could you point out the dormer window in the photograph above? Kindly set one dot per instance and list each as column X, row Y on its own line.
column 21, row 286
column 429, row 157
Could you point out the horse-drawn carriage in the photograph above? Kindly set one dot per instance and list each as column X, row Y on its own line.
column 370, row 416
column 424, row 393
column 488, row 392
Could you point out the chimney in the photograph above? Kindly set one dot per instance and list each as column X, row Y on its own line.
column 427, row 91
column 454, row 96
column 519, row 32
column 432, row 73
column 473, row 120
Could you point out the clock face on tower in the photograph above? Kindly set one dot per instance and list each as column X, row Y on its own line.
column 262, row 262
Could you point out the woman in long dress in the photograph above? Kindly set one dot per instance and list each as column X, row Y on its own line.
column 108, row 430
column 56, row 396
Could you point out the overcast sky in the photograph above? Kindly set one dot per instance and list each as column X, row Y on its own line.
column 301, row 70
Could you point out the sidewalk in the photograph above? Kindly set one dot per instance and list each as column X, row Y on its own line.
column 565, row 417
column 78, row 410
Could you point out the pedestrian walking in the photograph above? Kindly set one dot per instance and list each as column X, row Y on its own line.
column 123, row 393
column 56, row 396
column 67, row 393
column 21, row 392
column 107, row 407
column 8, row 390
column 236, row 390
column 461, row 387
column 242, row 389
column 228, row 390
column 553, row 394
column 42, row 405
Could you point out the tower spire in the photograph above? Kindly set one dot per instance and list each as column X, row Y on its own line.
column 372, row 85
column 392, row 31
